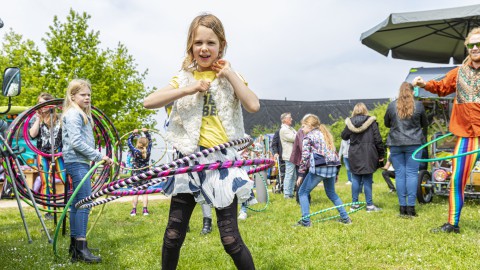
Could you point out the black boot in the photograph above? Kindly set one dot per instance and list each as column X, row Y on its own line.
column 207, row 226
column 82, row 253
column 403, row 211
column 411, row 211
column 72, row 245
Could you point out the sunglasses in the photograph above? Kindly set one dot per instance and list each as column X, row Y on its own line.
column 471, row 45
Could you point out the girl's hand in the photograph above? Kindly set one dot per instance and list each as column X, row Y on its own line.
column 221, row 67
column 144, row 130
column 135, row 131
column 299, row 181
column 201, row 86
column 108, row 160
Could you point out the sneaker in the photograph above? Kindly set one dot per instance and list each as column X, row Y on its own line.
column 373, row 208
column 242, row 216
column 392, row 190
column 302, row 223
column 447, row 228
column 345, row 221
column 48, row 216
column 145, row 211
column 134, row 212
column 348, row 183
column 354, row 207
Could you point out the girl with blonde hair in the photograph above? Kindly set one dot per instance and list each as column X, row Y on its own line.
column 78, row 151
column 318, row 148
column 207, row 96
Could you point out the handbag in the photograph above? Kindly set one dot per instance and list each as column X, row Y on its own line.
column 317, row 160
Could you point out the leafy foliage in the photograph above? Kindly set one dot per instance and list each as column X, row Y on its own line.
column 73, row 51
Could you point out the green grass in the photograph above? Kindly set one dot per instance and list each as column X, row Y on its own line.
column 379, row 240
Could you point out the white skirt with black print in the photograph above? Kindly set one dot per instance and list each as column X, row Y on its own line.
column 217, row 188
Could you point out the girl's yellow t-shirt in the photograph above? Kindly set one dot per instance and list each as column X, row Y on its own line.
column 211, row 132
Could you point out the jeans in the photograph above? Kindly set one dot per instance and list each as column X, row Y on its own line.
column 243, row 207
column 357, row 181
column 309, row 183
column 290, row 179
column 406, row 173
column 79, row 217
column 347, row 166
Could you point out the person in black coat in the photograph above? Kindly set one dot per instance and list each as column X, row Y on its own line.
column 365, row 152
column 276, row 147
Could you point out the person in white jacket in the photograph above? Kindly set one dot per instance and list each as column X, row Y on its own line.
column 287, row 137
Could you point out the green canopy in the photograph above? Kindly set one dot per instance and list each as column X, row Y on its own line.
column 432, row 36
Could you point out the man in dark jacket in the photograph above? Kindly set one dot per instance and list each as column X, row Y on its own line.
column 276, row 147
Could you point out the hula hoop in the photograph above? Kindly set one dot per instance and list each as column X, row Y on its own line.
column 106, row 136
column 26, row 137
column 153, row 173
column 65, row 210
column 440, row 158
column 251, row 171
column 151, row 165
column 362, row 205
column 194, row 168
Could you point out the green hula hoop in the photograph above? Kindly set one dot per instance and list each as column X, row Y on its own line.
column 268, row 197
column 362, row 205
column 67, row 206
column 440, row 158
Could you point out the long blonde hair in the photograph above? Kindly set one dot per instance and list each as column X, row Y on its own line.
column 474, row 31
column 314, row 122
column 405, row 101
column 142, row 144
column 75, row 86
column 359, row 109
column 209, row 21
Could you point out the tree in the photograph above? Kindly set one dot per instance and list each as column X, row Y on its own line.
column 16, row 52
column 117, row 87
column 73, row 51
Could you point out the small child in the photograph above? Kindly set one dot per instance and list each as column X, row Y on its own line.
column 78, row 151
column 140, row 162
column 208, row 96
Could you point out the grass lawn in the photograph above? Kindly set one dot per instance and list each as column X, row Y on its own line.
column 378, row 240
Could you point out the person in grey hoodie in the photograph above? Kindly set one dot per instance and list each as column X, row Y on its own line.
column 365, row 152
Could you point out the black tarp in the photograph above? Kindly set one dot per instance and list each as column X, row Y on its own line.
column 328, row 111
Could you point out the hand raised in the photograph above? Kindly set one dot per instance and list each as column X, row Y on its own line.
column 221, row 67
column 418, row 81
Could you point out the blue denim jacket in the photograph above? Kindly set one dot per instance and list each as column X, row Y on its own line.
column 77, row 139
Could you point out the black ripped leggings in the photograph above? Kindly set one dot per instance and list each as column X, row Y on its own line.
column 181, row 209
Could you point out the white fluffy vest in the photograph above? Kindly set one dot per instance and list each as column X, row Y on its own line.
column 186, row 117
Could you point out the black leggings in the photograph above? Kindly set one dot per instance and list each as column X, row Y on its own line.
column 181, row 209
